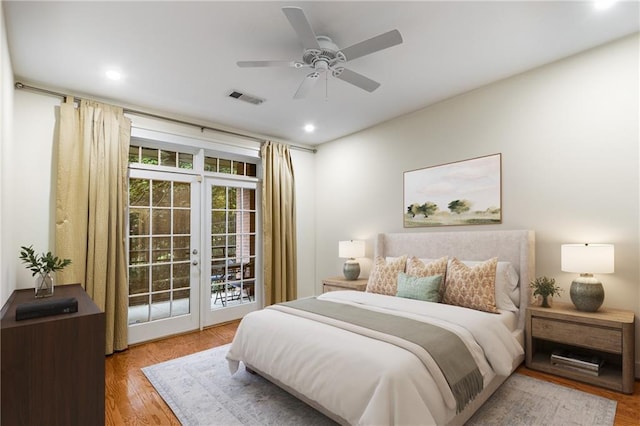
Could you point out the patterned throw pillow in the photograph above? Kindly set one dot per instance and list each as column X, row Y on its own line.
column 471, row 287
column 506, row 283
column 384, row 275
column 419, row 288
column 418, row 268
column 427, row 267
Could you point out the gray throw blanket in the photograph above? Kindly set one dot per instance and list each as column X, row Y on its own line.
column 445, row 347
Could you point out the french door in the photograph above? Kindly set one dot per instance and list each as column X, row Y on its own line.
column 192, row 240
column 164, row 244
column 230, row 283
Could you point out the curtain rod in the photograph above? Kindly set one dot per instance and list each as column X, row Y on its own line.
column 19, row 85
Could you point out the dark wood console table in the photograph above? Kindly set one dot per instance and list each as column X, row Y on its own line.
column 53, row 367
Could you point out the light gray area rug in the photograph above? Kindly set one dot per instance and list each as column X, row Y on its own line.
column 200, row 391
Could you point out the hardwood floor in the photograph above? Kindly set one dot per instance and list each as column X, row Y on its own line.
column 131, row 400
column 627, row 410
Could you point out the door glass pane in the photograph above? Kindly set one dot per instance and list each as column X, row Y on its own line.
column 218, row 220
column 138, row 280
column 159, row 247
column 231, row 222
column 138, row 250
column 181, row 276
column 181, row 247
column 161, row 193
column 249, row 197
column 182, row 222
column 181, row 194
column 218, row 197
column 139, row 193
column 138, row 221
column 232, row 246
column 161, row 219
column 160, row 275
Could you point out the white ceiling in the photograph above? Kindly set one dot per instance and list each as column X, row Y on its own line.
column 179, row 58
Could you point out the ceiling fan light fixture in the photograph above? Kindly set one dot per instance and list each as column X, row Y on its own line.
column 322, row 55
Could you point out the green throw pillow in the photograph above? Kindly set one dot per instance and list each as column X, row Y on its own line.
column 420, row 288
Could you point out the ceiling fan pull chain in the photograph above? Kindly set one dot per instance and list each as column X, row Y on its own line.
column 326, row 86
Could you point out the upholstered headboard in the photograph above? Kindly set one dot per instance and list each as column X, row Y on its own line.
column 517, row 247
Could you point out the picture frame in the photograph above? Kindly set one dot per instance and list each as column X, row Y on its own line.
column 466, row 192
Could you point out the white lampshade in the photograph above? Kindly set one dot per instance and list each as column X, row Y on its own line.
column 587, row 258
column 351, row 249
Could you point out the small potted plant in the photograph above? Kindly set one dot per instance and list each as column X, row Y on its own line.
column 545, row 287
column 42, row 265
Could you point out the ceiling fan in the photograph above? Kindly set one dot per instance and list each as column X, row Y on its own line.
column 323, row 56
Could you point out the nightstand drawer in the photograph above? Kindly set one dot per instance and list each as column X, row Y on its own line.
column 340, row 283
column 604, row 339
column 327, row 287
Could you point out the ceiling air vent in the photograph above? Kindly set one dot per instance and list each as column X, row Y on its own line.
column 244, row 97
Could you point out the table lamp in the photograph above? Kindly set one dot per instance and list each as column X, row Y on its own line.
column 350, row 250
column 587, row 293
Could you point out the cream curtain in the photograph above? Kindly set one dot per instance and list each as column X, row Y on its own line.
column 279, row 224
column 91, row 208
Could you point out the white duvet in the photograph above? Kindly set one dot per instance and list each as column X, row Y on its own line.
column 366, row 381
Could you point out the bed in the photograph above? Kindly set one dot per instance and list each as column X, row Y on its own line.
column 353, row 375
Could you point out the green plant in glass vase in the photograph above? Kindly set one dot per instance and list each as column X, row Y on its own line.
column 545, row 287
column 42, row 265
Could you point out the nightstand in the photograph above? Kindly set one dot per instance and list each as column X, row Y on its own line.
column 341, row 283
column 607, row 333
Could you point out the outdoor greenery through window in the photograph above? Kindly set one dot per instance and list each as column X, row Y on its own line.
column 183, row 160
column 160, row 157
column 221, row 165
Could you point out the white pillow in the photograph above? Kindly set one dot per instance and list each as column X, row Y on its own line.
column 506, row 284
column 515, row 296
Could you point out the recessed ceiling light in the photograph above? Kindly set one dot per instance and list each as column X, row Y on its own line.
column 309, row 128
column 113, row 75
column 603, row 4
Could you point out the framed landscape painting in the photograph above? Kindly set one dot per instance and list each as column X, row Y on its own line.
column 467, row 192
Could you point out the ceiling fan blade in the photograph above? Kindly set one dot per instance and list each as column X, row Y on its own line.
column 307, row 84
column 301, row 26
column 373, row 44
column 356, row 79
column 249, row 64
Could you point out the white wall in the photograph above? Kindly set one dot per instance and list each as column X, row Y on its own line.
column 31, row 198
column 7, row 270
column 304, row 173
column 568, row 133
